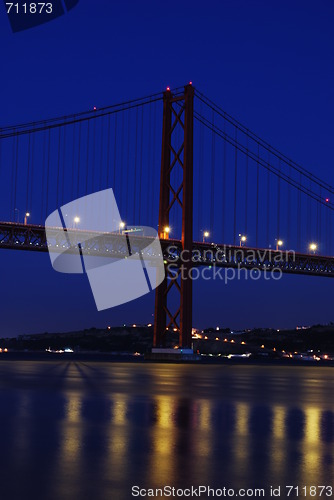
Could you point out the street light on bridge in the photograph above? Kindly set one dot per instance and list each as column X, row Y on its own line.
column 121, row 226
column 76, row 221
column 27, row 214
column 279, row 243
column 313, row 247
column 206, row 234
column 243, row 239
column 166, row 232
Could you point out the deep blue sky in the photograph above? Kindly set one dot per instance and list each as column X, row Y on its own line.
column 268, row 63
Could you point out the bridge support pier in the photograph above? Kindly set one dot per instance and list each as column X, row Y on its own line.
column 178, row 115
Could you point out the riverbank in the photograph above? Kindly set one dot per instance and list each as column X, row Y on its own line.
column 131, row 358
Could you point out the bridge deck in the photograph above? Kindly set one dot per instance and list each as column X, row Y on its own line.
column 29, row 237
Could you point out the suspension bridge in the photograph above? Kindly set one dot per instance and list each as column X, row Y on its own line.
column 213, row 189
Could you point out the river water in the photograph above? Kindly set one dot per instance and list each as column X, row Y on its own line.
column 93, row 430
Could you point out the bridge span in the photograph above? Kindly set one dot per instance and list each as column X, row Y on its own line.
column 28, row 237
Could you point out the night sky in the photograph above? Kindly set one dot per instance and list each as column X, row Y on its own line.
column 267, row 63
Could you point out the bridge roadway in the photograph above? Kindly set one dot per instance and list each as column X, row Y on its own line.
column 16, row 236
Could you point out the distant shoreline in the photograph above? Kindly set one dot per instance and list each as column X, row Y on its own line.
column 130, row 358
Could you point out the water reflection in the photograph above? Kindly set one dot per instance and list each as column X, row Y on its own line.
column 80, row 430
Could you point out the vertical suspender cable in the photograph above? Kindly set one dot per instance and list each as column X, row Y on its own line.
column 135, row 176
column 148, row 221
column 224, row 190
column 32, row 172
column 58, row 166
column 108, row 151
column 213, row 161
column 141, row 161
column 87, row 156
column 317, row 223
column 289, row 213
column 79, row 157
column 12, row 210
column 201, row 177
column 309, row 218
column 115, row 155
column 73, row 163
column 246, row 194
column 43, row 174
column 155, row 163
column 268, row 202
column 299, row 216
column 257, row 196
column 197, row 233
column 128, row 165
column 319, row 217
column 121, row 198
column 327, row 232
column 101, row 152
column 1, row 160
column 48, row 173
column 1, row 166
column 235, row 187
column 63, row 169
column 16, row 169
column 93, row 154
column 28, row 174
column 278, row 235
column 330, row 218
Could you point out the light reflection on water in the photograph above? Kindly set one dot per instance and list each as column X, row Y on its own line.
column 92, row 430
